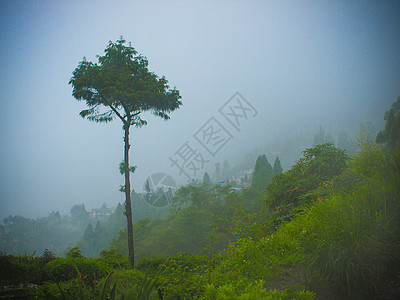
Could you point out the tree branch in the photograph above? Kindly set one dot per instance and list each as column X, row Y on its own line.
column 117, row 113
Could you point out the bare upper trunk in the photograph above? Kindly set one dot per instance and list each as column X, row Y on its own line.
column 128, row 195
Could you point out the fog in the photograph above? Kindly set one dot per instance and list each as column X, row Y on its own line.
column 299, row 64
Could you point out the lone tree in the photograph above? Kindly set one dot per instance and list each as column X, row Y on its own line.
column 263, row 173
column 277, row 168
column 121, row 86
column 206, row 179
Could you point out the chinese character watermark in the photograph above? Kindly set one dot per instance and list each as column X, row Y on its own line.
column 212, row 136
column 158, row 189
column 237, row 109
column 188, row 159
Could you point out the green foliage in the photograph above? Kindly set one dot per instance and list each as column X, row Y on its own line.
column 47, row 256
column 206, row 179
column 296, row 187
column 120, row 85
column 345, row 143
column 63, row 269
column 358, row 246
column 263, row 173
column 390, row 136
column 342, row 230
column 24, row 268
column 256, row 290
column 94, row 240
column 249, row 218
column 20, row 235
column 183, row 276
column 71, row 289
column 122, row 81
column 188, row 226
column 79, row 213
column 277, row 168
column 321, row 138
column 127, row 284
column 202, row 197
column 74, row 252
column 114, row 258
column 123, row 168
column 21, row 268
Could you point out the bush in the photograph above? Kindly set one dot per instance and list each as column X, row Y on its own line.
column 256, row 290
column 64, row 290
column 20, row 268
column 114, row 259
column 290, row 190
column 358, row 240
column 63, row 269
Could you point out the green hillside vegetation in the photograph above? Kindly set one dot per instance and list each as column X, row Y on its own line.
column 328, row 228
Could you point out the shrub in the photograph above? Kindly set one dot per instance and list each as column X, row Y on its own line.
column 114, row 259
column 358, row 241
column 290, row 190
column 256, row 290
column 20, row 268
column 63, row 269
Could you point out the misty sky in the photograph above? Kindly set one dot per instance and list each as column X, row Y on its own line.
column 300, row 64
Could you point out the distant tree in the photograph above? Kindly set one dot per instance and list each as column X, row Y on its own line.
column 74, row 252
column 94, row 240
column 319, row 137
column 120, row 85
column 89, row 233
column 343, row 142
column 54, row 218
column 148, row 192
column 370, row 128
column 329, row 139
column 147, row 186
column 262, row 173
column 47, row 256
column 390, row 136
column 277, row 169
column 226, row 170
column 79, row 213
column 86, row 243
column 206, row 179
column 217, row 172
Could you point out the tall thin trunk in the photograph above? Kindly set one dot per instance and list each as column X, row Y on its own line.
column 128, row 195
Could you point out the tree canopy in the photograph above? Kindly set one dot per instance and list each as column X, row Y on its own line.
column 121, row 85
column 391, row 134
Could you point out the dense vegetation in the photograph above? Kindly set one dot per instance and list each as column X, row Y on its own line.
column 328, row 226
column 56, row 232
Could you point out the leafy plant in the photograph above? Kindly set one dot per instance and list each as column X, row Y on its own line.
column 358, row 247
column 290, row 190
column 255, row 290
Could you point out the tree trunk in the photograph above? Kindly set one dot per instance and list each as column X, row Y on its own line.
column 128, row 195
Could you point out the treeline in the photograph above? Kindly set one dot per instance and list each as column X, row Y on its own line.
column 188, row 222
column 328, row 225
column 55, row 232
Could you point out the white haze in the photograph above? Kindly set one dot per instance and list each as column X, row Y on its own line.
column 301, row 64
